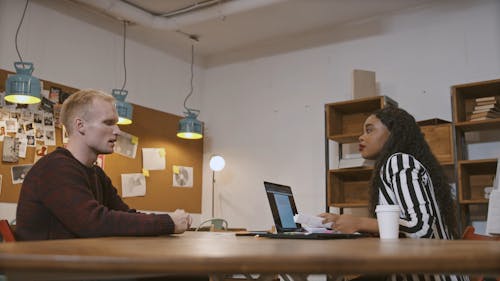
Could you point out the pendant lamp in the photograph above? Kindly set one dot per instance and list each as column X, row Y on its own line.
column 22, row 87
column 190, row 127
column 123, row 108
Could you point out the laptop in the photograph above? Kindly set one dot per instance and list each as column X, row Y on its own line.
column 283, row 208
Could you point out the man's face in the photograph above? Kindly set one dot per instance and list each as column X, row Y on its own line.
column 99, row 127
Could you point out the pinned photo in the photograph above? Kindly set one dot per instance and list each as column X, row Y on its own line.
column 19, row 173
column 126, row 144
column 182, row 176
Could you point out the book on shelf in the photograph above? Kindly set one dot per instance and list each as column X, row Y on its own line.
column 488, row 99
column 487, row 106
column 486, row 102
column 483, row 118
column 486, row 110
column 490, row 114
column 355, row 163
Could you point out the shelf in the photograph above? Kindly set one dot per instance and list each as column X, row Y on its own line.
column 473, row 177
column 482, row 125
column 349, row 187
column 440, row 139
column 463, row 99
column 478, row 201
column 344, row 120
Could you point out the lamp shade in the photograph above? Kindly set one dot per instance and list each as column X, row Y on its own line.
column 123, row 108
column 22, row 87
column 217, row 163
column 190, row 127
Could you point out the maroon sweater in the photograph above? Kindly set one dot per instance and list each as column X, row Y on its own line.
column 62, row 198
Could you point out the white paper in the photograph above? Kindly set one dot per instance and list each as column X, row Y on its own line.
column 23, row 145
column 493, row 220
column 153, row 158
column 133, row 185
column 311, row 221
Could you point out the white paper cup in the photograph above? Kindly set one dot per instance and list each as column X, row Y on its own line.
column 388, row 221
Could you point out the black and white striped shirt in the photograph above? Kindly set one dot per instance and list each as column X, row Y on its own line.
column 407, row 183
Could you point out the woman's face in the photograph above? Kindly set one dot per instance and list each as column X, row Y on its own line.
column 375, row 135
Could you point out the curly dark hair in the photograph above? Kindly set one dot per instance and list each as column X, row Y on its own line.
column 405, row 136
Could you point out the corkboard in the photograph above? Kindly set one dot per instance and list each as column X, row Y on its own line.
column 154, row 129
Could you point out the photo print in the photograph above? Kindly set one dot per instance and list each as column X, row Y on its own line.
column 182, row 176
column 126, row 144
column 54, row 94
column 50, row 137
column 38, row 118
column 10, row 151
column 3, row 131
column 48, row 120
column 19, row 173
column 40, row 151
column 65, row 136
column 133, row 185
column 11, row 125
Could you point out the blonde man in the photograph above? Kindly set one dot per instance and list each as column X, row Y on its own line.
column 66, row 196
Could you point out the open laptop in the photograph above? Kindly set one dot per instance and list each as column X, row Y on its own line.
column 283, row 208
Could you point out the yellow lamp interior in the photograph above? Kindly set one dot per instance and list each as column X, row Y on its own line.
column 189, row 135
column 22, row 99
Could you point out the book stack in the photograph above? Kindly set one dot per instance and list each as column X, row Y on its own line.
column 486, row 108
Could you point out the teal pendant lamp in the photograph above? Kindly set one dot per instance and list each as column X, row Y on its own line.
column 22, row 87
column 190, row 127
column 123, row 108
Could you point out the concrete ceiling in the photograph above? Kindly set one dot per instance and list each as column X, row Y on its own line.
column 226, row 26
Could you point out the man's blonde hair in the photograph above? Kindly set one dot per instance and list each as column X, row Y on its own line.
column 79, row 105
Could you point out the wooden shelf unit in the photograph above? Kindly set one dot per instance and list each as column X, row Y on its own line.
column 473, row 175
column 344, row 120
column 348, row 187
column 439, row 135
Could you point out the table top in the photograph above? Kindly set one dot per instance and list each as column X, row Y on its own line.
column 219, row 252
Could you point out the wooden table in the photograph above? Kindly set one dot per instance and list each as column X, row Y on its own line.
column 195, row 253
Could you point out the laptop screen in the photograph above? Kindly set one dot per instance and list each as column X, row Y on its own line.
column 282, row 206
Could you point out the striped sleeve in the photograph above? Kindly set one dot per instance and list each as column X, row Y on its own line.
column 407, row 183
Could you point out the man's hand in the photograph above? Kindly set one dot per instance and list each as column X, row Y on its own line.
column 182, row 220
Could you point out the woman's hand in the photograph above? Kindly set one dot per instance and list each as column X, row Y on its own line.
column 348, row 223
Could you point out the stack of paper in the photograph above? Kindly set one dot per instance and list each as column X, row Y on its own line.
column 312, row 223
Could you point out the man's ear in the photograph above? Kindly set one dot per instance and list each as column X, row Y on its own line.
column 80, row 126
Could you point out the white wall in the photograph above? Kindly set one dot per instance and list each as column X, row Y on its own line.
column 78, row 54
column 265, row 115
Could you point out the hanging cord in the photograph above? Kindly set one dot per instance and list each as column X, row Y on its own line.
column 192, row 78
column 18, row 28
column 124, row 63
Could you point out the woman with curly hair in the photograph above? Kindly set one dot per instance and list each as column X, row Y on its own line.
column 407, row 174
